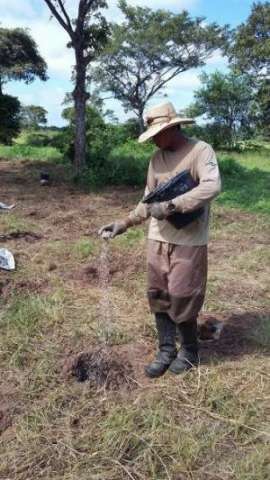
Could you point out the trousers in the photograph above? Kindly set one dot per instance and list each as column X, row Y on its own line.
column 177, row 276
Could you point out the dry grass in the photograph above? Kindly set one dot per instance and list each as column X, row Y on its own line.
column 210, row 424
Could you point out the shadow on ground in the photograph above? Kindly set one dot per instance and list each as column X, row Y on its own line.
column 242, row 334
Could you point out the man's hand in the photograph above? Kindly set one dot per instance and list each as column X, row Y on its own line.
column 113, row 229
column 160, row 211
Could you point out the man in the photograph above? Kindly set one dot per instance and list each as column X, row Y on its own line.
column 176, row 257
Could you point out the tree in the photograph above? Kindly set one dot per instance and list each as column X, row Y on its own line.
column 19, row 57
column 227, row 101
column 148, row 49
column 250, row 54
column 10, row 118
column 88, row 34
column 250, row 51
column 33, row 116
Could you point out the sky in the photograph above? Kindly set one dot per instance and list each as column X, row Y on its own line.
column 52, row 40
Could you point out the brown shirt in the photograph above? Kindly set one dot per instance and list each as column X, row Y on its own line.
column 200, row 159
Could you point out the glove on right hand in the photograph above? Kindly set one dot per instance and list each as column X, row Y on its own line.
column 113, row 229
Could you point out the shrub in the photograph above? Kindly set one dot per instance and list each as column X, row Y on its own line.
column 128, row 163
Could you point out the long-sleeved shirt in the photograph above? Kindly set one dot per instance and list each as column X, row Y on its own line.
column 200, row 159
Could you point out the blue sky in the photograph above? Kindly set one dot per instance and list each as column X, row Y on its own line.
column 51, row 39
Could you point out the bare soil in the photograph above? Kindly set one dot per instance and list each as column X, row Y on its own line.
column 59, row 381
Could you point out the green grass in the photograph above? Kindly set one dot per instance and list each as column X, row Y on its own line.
column 131, row 238
column 83, row 248
column 250, row 160
column 13, row 222
column 246, row 180
column 27, row 152
column 22, row 322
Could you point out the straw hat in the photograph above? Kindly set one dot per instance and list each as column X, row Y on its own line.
column 160, row 118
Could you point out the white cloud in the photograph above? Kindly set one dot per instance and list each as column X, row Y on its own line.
column 216, row 58
column 186, row 80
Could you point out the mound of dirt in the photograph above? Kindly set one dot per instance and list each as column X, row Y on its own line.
column 101, row 367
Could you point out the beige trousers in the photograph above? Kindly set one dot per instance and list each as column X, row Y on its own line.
column 177, row 276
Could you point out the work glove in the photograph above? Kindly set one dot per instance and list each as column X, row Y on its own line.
column 160, row 210
column 113, row 229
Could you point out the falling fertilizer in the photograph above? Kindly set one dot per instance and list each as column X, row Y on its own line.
column 105, row 319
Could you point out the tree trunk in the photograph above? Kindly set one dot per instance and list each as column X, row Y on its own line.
column 141, row 121
column 80, row 97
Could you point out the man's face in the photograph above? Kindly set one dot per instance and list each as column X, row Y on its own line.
column 165, row 138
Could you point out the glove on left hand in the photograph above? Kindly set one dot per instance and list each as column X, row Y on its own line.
column 160, row 211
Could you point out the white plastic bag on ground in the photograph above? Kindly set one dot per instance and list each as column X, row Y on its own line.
column 7, row 261
column 4, row 206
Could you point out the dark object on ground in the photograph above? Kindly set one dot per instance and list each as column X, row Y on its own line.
column 44, row 179
column 178, row 185
column 28, row 236
column 166, row 329
column 211, row 329
column 101, row 367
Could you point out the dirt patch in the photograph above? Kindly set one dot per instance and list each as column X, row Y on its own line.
column 101, row 367
column 31, row 286
column 8, row 287
column 29, row 237
column 118, row 263
column 5, row 421
column 233, row 215
column 4, row 287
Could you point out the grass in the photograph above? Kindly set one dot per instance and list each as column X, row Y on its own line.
column 23, row 322
column 22, row 152
column 13, row 222
column 210, row 424
column 84, row 248
column 246, row 180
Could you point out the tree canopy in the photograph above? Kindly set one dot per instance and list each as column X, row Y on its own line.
column 227, row 101
column 250, row 54
column 19, row 57
column 33, row 116
column 250, row 51
column 149, row 48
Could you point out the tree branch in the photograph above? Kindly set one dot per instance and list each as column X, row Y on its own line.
column 59, row 18
column 155, row 89
column 65, row 14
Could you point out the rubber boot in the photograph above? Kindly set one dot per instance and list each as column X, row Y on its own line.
column 187, row 356
column 166, row 329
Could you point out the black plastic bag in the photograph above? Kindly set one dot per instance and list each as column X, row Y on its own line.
column 178, row 185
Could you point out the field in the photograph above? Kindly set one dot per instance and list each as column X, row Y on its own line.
column 210, row 424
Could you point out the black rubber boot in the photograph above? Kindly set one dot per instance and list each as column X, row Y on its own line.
column 166, row 329
column 187, row 356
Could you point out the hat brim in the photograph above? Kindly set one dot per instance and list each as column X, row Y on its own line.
column 155, row 129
